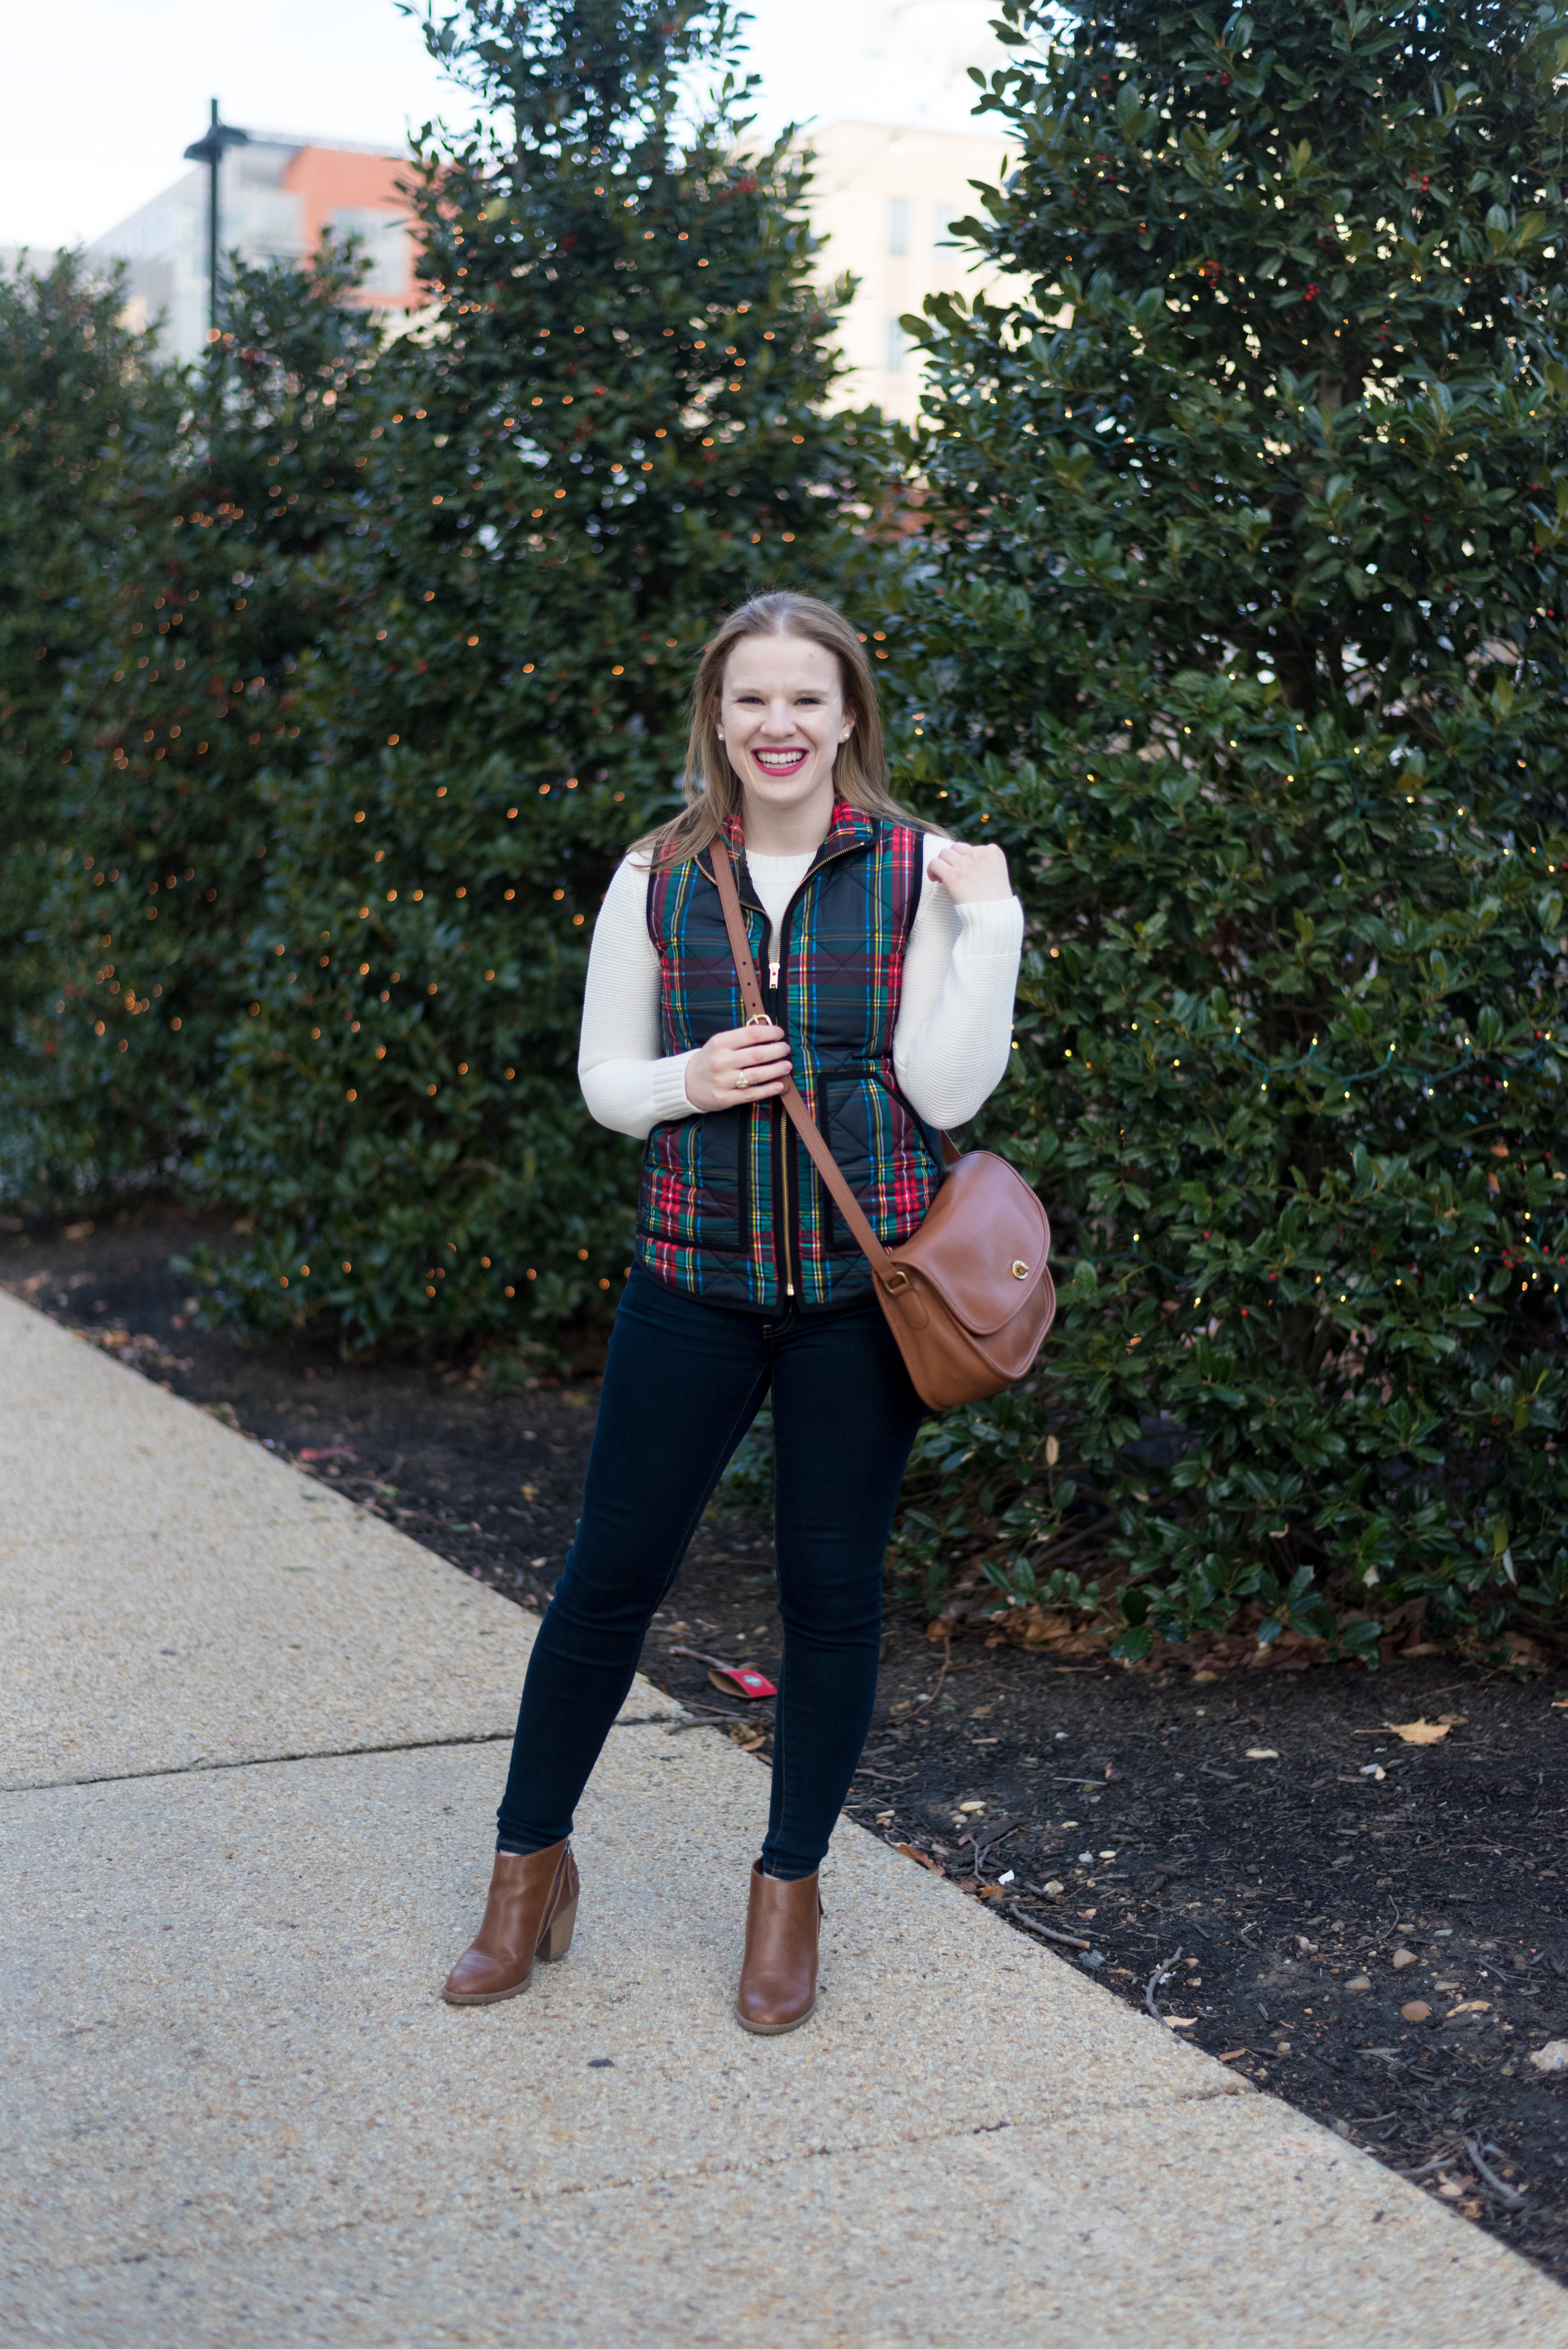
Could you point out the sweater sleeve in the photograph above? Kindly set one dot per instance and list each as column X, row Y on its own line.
column 955, row 1031
column 626, row 1082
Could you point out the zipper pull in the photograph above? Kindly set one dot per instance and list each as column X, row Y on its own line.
column 772, row 974
column 788, row 1289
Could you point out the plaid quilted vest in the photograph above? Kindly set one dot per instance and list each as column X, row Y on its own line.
column 731, row 1209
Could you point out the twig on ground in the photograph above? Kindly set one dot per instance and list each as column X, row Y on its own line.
column 717, row 1711
column 1047, row 1932
column 1159, row 1974
column 982, row 1850
column 932, row 1694
column 1509, row 2194
column 1438, row 2161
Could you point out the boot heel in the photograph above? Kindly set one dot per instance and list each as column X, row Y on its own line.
column 557, row 1936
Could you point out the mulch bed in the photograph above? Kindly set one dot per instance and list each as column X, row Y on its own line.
column 1249, row 1851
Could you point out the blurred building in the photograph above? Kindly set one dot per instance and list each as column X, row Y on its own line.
column 278, row 197
column 885, row 196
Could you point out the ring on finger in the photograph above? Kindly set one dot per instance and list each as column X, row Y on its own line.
column 742, row 1077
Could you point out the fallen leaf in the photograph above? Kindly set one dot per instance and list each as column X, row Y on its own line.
column 1469, row 2006
column 747, row 1735
column 1180, row 2022
column 921, row 1858
column 1417, row 2011
column 1262, row 1753
column 1419, row 1732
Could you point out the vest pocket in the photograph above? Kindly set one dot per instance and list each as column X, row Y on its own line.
column 695, row 1185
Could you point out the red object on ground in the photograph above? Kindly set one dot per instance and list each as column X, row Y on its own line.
column 740, row 1680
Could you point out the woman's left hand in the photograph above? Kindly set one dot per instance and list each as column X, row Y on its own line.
column 969, row 873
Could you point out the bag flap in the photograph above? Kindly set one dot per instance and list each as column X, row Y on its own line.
column 983, row 1243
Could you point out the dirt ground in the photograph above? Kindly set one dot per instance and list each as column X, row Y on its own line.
column 1371, row 1929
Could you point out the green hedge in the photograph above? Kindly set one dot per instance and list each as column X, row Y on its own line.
column 75, row 386
column 1242, row 630
column 215, row 572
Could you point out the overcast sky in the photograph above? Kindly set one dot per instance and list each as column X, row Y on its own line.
column 101, row 97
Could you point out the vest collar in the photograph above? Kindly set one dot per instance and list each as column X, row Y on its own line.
column 849, row 828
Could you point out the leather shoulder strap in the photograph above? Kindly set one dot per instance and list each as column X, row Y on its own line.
column 795, row 1109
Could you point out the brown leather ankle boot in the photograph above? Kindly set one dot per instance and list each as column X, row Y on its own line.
column 778, row 1975
column 530, row 1911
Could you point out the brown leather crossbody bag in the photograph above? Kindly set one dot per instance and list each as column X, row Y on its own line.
column 969, row 1295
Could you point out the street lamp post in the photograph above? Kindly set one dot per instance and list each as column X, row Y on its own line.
column 209, row 151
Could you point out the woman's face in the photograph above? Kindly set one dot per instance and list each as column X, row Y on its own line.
column 782, row 717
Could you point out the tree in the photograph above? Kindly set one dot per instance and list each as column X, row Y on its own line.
column 1244, row 628
column 606, row 429
column 233, row 489
column 72, row 379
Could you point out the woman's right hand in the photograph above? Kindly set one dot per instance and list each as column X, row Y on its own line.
column 743, row 1064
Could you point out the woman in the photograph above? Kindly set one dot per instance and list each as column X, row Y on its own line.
column 889, row 956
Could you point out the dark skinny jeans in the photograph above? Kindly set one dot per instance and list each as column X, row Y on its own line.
column 683, row 1384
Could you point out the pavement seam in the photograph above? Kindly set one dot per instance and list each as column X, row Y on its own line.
column 305, row 1754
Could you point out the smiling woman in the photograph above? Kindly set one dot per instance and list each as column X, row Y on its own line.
column 891, row 958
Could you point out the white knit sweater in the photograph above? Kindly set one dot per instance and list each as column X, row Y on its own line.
column 954, row 1016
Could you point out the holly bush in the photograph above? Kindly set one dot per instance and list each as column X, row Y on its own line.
column 1240, row 624
column 230, row 488
column 73, row 380
column 607, row 428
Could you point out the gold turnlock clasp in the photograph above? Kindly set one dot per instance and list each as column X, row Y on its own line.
column 1020, row 1269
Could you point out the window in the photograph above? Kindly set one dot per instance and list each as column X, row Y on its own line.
column 943, row 215
column 384, row 239
column 898, row 226
column 897, row 343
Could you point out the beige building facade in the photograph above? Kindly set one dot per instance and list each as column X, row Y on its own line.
column 885, row 196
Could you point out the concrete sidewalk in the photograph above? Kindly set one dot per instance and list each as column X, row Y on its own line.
column 252, row 1743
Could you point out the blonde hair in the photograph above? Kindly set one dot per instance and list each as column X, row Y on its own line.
column 713, row 789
